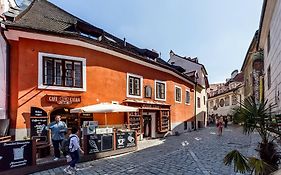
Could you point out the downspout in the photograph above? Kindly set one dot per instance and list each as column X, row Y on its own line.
column 8, row 78
column 195, row 91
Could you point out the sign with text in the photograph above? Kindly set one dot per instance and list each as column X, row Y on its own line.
column 63, row 100
column 125, row 139
column 37, row 112
column 37, row 127
column 99, row 143
column 15, row 154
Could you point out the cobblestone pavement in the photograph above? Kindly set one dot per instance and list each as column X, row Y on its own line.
column 193, row 153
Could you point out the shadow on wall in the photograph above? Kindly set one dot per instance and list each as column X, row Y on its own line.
column 189, row 125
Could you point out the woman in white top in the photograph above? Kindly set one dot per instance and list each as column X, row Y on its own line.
column 74, row 148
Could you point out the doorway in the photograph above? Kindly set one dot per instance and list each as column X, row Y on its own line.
column 149, row 125
column 71, row 120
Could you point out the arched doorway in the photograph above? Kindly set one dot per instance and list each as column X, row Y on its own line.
column 71, row 120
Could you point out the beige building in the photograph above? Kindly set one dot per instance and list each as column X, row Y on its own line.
column 223, row 97
column 253, row 71
column 270, row 42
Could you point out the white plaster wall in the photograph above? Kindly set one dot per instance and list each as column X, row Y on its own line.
column 203, row 107
column 179, row 127
column 3, row 67
column 273, row 58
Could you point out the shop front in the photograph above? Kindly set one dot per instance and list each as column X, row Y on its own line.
column 151, row 121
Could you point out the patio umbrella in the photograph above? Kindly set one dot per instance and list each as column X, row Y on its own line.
column 104, row 108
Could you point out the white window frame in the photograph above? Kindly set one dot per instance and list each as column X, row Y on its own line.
column 176, row 94
column 155, row 93
column 187, row 90
column 40, row 72
column 141, row 86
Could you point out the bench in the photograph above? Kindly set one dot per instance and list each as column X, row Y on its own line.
column 43, row 149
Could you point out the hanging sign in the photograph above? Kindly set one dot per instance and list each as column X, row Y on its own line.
column 38, row 112
column 63, row 100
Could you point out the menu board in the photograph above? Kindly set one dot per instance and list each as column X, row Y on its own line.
column 125, row 139
column 99, row 143
column 37, row 127
column 15, row 154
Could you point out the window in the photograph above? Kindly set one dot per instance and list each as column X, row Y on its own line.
column 204, row 98
column 134, row 86
column 211, row 103
column 268, row 77
column 234, row 100
column 268, row 42
column 198, row 102
column 221, row 102
column 178, row 94
column 217, row 103
column 160, row 90
column 187, row 97
column 227, row 101
column 60, row 72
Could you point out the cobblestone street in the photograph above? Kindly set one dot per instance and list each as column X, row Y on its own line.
column 197, row 152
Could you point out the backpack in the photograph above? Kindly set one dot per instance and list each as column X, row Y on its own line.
column 65, row 145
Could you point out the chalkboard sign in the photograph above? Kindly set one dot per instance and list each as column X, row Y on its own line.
column 94, row 144
column 125, row 139
column 131, row 139
column 99, row 143
column 37, row 127
column 121, row 140
column 15, row 154
column 38, row 112
column 107, row 142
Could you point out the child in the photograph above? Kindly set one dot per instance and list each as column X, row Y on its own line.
column 74, row 149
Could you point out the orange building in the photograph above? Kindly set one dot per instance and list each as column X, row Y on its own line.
column 59, row 62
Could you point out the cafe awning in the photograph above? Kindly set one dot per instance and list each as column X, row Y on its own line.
column 104, row 108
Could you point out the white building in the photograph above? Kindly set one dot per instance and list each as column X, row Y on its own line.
column 223, row 97
column 4, row 7
column 270, row 42
column 196, row 70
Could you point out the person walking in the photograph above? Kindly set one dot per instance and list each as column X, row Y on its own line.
column 58, row 129
column 74, row 149
column 225, row 120
column 219, row 126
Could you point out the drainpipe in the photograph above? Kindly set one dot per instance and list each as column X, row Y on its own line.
column 195, row 106
column 8, row 78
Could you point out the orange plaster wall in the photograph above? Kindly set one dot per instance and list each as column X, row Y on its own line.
column 106, row 82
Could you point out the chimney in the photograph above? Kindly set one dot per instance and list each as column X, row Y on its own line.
column 125, row 42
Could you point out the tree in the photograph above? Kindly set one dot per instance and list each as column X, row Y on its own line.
column 255, row 117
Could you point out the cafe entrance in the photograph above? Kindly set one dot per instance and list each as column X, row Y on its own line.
column 71, row 120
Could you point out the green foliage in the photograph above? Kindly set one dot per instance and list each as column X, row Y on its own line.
column 259, row 167
column 255, row 117
column 240, row 161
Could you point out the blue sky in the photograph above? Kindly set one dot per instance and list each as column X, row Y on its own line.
column 218, row 32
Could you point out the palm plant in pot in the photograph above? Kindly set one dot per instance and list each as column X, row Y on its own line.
column 255, row 117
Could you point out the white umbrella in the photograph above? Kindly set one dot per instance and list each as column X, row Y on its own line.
column 104, row 108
